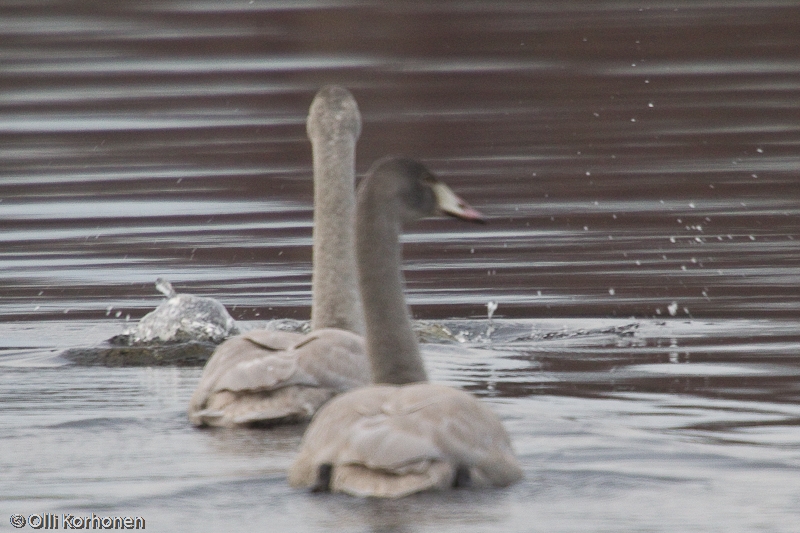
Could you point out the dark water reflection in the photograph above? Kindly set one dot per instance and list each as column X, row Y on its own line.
column 638, row 165
column 646, row 149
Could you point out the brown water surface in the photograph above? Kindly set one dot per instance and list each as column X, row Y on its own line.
column 637, row 162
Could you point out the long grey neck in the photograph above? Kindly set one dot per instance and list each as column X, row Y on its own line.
column 335, row 295
column 391, row 343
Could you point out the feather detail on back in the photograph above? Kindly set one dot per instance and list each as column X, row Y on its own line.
column 401, row 440
column 265, row 378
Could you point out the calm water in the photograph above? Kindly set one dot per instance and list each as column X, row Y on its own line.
column 638, row 165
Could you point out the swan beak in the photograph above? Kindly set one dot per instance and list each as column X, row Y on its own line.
column 450, row 204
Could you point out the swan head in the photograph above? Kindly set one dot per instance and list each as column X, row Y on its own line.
column 333, row 114
column 421, row 193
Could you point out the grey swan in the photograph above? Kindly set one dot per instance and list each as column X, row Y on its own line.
column 264, row 378
column 402, row 435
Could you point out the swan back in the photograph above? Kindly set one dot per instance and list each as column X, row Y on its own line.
column 269, row 377
column 402, row 440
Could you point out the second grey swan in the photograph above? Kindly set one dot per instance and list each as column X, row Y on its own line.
column 271, row 377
